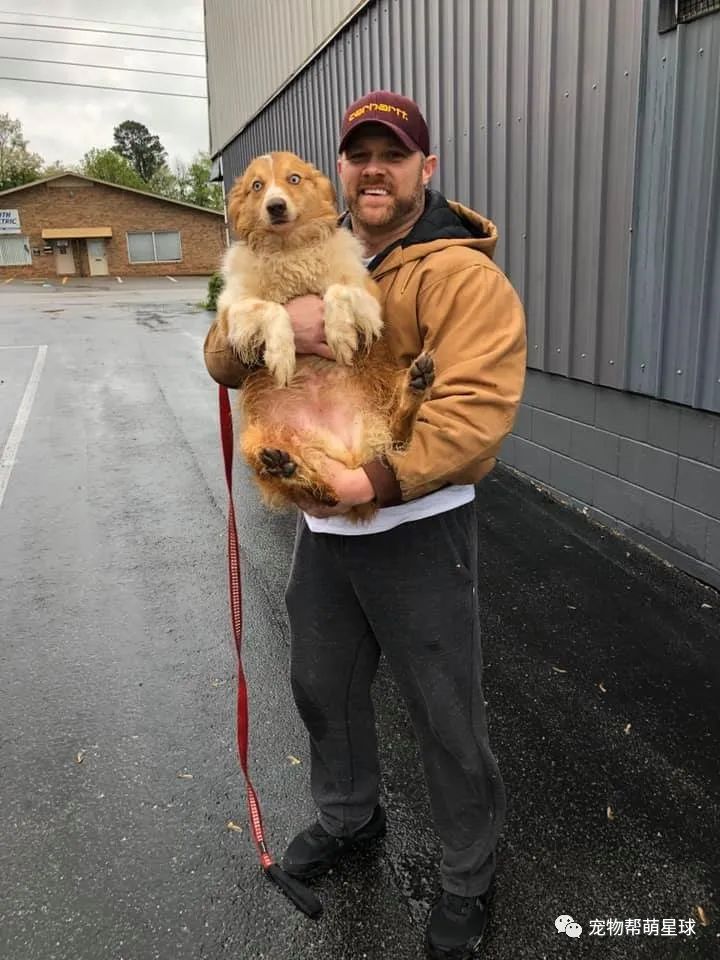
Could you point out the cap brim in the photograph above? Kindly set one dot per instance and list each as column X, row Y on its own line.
column 400, row 134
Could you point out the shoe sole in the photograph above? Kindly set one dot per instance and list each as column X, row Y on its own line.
column 359, row 842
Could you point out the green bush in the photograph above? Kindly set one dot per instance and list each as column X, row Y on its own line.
column 215, row 285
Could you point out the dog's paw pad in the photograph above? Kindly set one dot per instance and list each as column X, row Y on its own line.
column 422, row 373
column 277, row 462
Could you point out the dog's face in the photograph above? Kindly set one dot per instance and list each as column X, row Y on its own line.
column 277, row 193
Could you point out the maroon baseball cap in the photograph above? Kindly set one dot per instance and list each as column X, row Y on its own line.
column 392, row 110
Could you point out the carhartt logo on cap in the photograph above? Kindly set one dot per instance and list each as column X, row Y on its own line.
column 399, row 114
column 382, row 107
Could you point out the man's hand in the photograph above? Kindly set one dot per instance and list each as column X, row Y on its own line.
column 352, row 487
column 307, row 315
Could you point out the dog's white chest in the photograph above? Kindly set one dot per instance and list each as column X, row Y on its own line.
column 286, row 275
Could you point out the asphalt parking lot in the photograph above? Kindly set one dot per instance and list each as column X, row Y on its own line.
column 120, row 778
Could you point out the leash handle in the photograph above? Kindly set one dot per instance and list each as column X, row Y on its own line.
column 304, row 899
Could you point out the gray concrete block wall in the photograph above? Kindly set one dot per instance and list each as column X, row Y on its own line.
column 646, row 468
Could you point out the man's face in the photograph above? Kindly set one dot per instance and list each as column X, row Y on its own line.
column 383, row 181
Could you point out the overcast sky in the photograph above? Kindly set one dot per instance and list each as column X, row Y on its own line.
column 62, row 123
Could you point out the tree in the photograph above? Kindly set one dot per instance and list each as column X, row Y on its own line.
column 141, row 148
column 164, row 183
column 17, row 164
column 50, row 169
column 195, row 183
column 110, row 166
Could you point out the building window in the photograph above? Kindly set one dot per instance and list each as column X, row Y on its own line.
column 692, row 9
column 673, row 12
column 14, row 252
column 154, row 247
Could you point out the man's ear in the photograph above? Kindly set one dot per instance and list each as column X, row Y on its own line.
column 429, row 167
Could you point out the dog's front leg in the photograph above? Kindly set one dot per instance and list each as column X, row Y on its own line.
column 351, row 312
column 253, row 323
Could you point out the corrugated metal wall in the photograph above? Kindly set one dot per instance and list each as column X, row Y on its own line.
column 252, row 49
column 551, row 116
column 675, row 295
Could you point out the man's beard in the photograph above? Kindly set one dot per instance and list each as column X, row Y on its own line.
column 399, row 210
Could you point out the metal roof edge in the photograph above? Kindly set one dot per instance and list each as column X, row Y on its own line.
column 303, row 66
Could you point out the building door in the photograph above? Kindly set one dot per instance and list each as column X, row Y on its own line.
column 97, row 258
column 64, row 259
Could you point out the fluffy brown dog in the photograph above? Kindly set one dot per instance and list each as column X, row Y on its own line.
column 299, row 410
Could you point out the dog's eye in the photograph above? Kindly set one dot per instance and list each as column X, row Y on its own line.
column 294, row 178
column 257, row 185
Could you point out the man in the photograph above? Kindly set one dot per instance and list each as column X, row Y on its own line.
column 406, row 584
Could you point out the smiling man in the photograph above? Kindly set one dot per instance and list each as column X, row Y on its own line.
column 406, row 584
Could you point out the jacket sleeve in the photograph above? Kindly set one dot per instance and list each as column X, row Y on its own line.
column 473, row 323
column 222, row 363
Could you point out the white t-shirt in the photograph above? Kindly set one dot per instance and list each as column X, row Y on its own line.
column 388, row 517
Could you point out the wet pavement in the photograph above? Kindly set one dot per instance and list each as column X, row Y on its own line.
column 117, row 690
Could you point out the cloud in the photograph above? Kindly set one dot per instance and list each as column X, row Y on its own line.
column 62, row 123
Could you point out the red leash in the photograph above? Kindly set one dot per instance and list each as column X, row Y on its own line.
column 303, row 898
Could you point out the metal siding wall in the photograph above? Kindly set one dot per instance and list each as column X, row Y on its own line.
column 253, row 47
column 674, row 343
column 560, row 121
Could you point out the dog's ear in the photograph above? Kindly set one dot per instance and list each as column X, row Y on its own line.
column 237, row 213
column 325, row 188
column 235, row 199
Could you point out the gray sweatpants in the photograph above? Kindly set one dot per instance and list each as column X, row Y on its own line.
column 410, row 592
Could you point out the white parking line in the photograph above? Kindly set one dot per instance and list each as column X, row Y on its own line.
column 7, row 460
column 199, row 341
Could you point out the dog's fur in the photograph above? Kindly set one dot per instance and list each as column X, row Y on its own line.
column 297, row 410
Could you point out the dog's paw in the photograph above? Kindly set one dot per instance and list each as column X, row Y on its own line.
column 341, row 334
column 277, row 463
column 279, row 345
column 244, row 332
column 351, row 315
column 368, row 316
column 280, row 361
column 422, row 373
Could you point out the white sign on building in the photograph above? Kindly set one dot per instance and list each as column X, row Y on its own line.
column 9, row 221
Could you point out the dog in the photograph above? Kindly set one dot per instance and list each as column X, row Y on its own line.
column 297, row 411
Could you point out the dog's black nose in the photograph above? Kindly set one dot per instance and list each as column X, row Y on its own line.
column 276, row 208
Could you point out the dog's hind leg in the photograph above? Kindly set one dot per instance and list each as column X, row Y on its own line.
column 414, row 388
column 284, row 467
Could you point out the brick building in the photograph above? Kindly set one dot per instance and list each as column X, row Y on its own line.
column 72, row 225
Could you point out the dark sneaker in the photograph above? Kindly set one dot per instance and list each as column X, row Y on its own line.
column 314, row 851
column 456, row 926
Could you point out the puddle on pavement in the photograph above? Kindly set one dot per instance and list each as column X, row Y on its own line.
column 151, row 319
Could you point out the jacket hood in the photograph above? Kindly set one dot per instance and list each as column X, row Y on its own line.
column 443, row 224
